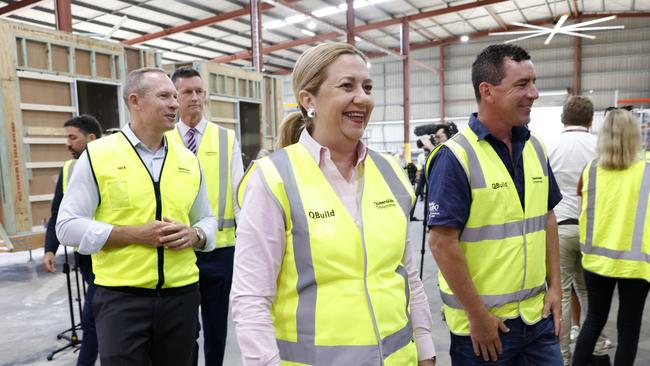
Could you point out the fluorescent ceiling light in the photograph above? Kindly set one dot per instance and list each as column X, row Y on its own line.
column 295, row 19
column 320, row 13
column 274, row 24
column 311, row 25
column 464, row 38
column 326, row 11
column 309, row 33
column 552, row 93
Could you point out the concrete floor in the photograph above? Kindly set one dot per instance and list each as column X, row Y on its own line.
column 34, row 309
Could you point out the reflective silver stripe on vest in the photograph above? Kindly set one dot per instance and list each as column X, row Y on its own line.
column 304, row 350
column 540, row 154
column 503, row 231
column 641, row 210
column 399, row 191
column 475, row 173
column 635, row 253
column 591, row 203
column 223, row 180
column 493, row 301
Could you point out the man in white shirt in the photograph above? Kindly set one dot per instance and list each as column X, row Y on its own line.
column 220, row 157
column 138, row 204
column 575, row 147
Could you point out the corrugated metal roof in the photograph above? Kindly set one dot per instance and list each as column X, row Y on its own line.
column 233, row 36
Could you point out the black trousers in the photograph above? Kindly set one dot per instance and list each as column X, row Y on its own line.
column 632, row 294
column 214, row 285
column 135, row 329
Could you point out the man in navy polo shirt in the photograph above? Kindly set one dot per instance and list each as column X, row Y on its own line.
column 492, row 228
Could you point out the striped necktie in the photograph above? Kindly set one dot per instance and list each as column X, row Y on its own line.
column 191, row 140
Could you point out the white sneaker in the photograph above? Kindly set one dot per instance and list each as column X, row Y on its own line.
column 575, row 330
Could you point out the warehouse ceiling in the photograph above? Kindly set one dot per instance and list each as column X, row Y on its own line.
column 219, row 30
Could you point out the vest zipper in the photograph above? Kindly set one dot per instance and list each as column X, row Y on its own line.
column 161, row 251
column 156, row 188
column 365, row 276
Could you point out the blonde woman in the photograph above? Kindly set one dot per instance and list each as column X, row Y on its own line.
column 324, row 272
column 614, row 236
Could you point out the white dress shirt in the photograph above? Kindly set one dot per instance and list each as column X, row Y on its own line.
column 236, row 164
column 75, row 224
column 573, row 150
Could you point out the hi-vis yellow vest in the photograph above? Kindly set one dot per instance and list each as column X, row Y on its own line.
column 342, row 291
column 68, row 168
column 615, row 221
column 129, row 196
column 215, row 154
column 504, row 246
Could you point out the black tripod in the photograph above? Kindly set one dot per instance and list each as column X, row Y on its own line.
column 424, row 226
column 70, row 334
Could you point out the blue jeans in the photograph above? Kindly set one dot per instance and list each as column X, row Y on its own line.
column 524, row 345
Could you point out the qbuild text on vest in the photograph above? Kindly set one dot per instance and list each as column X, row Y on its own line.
column 321, row 215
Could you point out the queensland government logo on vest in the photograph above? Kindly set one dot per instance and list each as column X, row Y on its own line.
column 385, row 203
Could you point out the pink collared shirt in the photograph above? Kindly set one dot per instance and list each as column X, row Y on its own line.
column 260, row 248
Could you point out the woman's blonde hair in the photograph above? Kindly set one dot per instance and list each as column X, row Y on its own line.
column 619, row 140
column 308, row 74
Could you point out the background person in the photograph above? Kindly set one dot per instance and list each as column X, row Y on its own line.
column 324, row 271
column 139, row 205
column 574, row 148
column 79, row 132
column 614, row 236
column 220, row 157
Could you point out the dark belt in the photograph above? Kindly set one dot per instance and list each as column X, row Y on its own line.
column 568, row 222
column 152, row 291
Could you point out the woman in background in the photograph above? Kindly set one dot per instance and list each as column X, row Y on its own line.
column 615, row 236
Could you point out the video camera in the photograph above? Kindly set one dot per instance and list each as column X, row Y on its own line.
column 430, row 131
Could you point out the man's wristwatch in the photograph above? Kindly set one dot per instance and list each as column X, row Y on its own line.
column 199, row 234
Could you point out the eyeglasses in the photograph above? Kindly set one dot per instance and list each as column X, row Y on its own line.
column 626, row 107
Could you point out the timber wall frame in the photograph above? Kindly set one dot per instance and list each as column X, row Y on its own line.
column 40, row 69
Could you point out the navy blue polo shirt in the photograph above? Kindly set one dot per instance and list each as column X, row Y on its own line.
column 450, row 196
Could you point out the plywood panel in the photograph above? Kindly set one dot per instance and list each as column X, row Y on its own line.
column 19, row 53
column 230, row 126
column 40, row 212
column 82, row 62
column 132, row 59
column 222, row 109
column 60, row 59
column 37, row 55
column 44, row 92
column 45, row 119
column 40, row 152
column 230, row 86
column 44, row 180
column 242, row 88
column 103, row 65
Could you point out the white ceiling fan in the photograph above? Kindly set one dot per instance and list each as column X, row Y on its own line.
column 559, row 28
column 107, row 36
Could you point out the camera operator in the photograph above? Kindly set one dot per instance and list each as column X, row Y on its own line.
column 441, row 133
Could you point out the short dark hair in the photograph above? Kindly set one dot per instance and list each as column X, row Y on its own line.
column 577, row 111
column 488, row 66
column 86, row 123
column 184, row 72
column 445, row 129
column 450, row 129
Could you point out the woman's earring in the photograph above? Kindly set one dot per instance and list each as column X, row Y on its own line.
column 311, row 112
